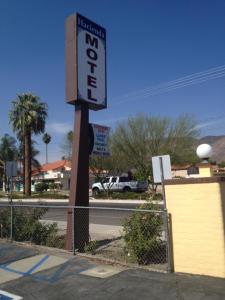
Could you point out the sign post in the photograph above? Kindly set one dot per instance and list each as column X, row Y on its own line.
column 161, row 166
column 86, row 89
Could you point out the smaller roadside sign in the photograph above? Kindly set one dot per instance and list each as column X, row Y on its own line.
column 161, row 170
column 8, row 296
column 99, row 136
column 11, row 169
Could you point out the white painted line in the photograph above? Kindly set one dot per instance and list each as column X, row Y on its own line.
column 9, row 295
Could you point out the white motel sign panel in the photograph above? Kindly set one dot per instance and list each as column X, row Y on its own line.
column 86, row 62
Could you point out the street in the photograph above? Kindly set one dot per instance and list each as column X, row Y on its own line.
column 111, row 215
column 114, row 217
column 106, row 217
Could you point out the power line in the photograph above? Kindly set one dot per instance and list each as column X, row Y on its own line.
column 199, row 75
column 170, row 88
column 192, row 79
column 184, row 78
column 173, row 87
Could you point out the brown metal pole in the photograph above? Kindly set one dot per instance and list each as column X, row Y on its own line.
column 79, row 183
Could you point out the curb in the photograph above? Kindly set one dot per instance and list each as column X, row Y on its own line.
column 119, row 201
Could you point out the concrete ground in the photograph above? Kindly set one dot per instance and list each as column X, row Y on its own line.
column 43, row 273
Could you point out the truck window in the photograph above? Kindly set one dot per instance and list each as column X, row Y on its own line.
column 114, row 179
column 124, row 179
column 106, row 180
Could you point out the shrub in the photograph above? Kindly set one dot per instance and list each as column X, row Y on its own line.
column 49, row 195
column 28, row 228
column 53, row 186
column 125, row 195
column 142, row 235
column 41, row 187
column 157, row 196
column 91, row 247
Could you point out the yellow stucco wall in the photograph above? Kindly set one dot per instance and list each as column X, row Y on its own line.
column 198, row 234
column 205, row 171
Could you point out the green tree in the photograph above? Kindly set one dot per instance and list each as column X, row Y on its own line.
column 67, row 145
column 46, row 139
column 28, row 116
column 8, row 152
column 222, row 164
column 8, row 148
column 138, row 139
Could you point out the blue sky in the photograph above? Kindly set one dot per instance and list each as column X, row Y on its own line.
column 148, row 43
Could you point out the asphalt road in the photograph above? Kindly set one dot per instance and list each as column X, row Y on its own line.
column 114, row 217
column 111, row 216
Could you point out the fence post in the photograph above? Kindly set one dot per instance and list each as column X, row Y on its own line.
column 10, row 196
column 73, row 231
column 168, row 246
column 11, row 221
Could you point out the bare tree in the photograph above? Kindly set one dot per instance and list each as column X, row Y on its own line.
column 141, row 137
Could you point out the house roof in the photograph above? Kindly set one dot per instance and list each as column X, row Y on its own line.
column 181, row 167
column 59, row 164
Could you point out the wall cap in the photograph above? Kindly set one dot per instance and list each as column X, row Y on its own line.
column 198, row 180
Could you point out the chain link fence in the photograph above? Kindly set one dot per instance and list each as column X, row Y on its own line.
column 134, row 237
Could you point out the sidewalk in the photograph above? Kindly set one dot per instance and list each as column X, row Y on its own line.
column 96, row 231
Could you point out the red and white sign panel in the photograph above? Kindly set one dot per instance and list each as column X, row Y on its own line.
column 101, row 140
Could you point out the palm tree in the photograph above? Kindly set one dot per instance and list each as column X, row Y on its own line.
column 46, row 139
column 8, row 151
column 28, row 116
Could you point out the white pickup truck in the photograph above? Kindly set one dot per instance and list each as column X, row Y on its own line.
column 119, row 184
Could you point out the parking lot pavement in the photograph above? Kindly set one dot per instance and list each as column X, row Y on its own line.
column 78, row 278
column 10, row 252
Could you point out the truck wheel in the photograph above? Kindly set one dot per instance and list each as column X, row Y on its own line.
column 96, row 191
column 126, row 189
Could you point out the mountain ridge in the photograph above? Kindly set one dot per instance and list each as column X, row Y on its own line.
column 218, row 146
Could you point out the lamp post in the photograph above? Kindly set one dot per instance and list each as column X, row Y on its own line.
column 204, row 152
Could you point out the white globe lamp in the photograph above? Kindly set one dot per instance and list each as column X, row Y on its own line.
column 204, row 152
